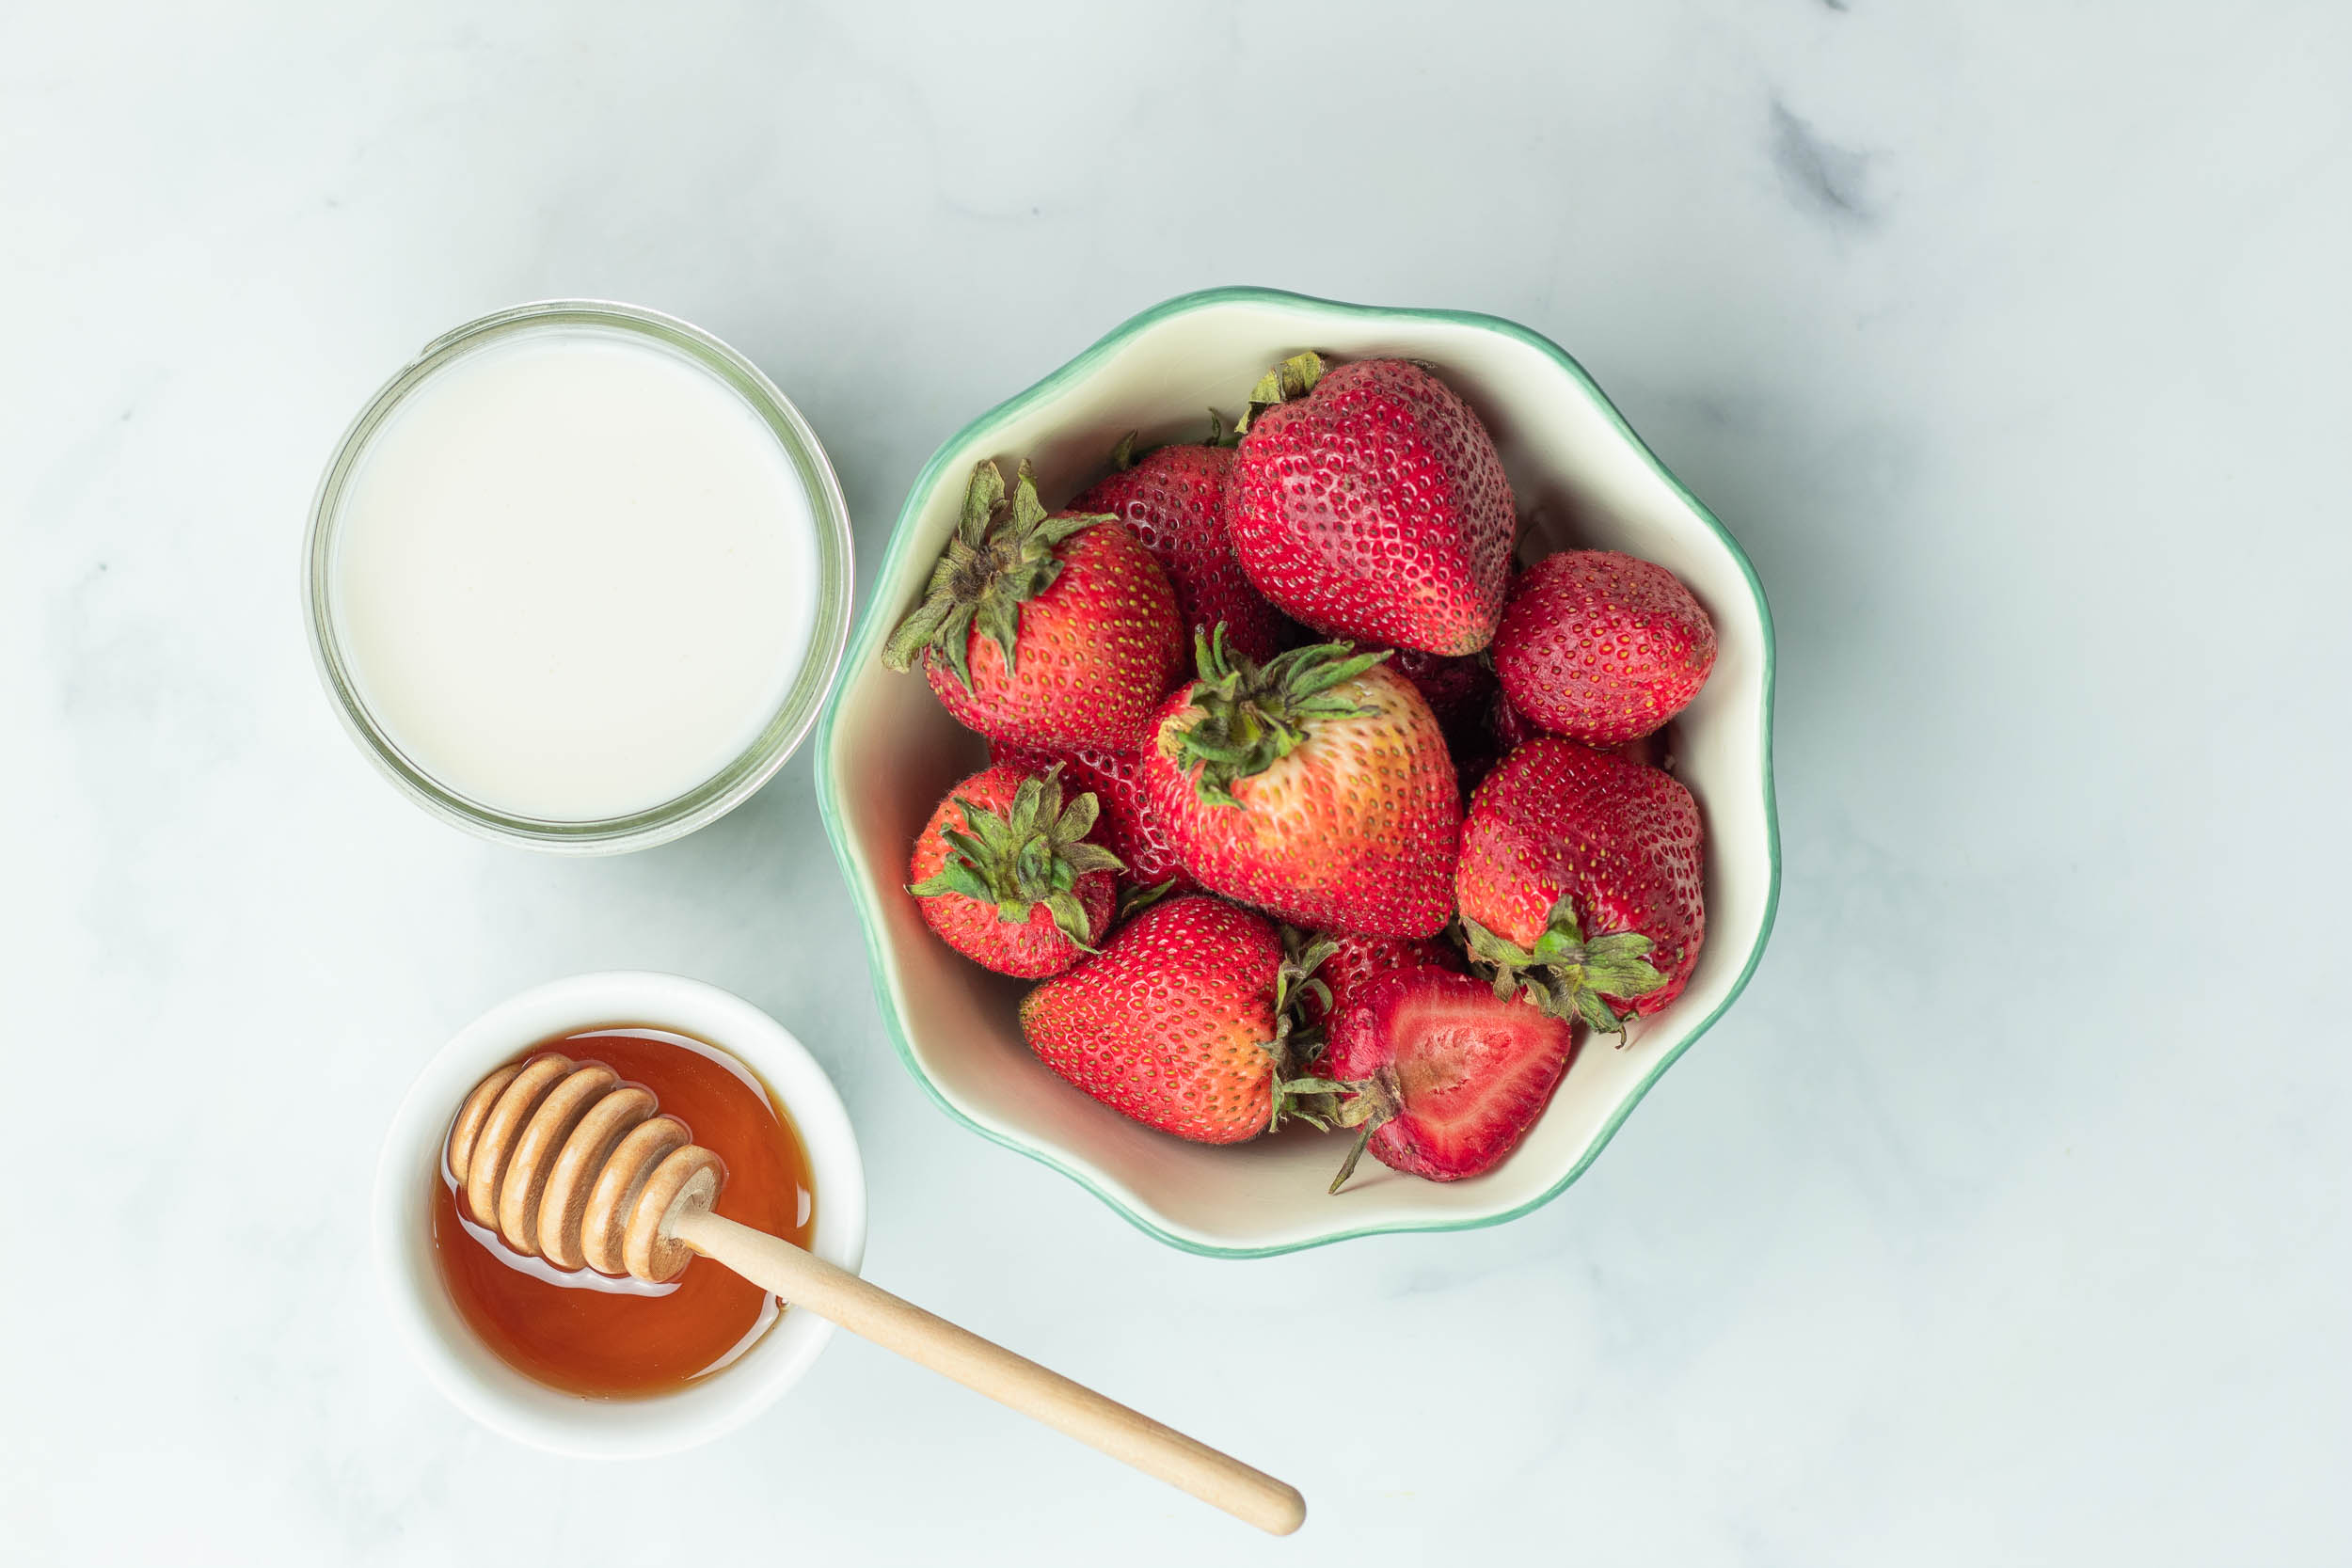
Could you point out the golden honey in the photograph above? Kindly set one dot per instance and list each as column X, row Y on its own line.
column 583, row 1333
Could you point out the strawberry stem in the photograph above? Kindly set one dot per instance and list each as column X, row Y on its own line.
column 1366, row 1103
column 1355, row 1151
column 1303, row 1098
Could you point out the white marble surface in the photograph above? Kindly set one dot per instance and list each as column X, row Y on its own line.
column 2003, row 1221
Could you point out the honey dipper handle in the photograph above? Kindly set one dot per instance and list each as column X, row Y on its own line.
column 872, row 1313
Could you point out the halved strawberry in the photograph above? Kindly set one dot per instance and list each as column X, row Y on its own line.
column 1338, row 964
column 1443, row 1076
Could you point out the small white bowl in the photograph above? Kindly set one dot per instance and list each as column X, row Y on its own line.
column 888, row 751
column 472, row 1375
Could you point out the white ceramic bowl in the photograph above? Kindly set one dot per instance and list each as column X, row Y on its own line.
column 888, row 751
column 459, row 1364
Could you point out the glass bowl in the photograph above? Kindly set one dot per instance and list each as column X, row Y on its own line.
column 786, row 726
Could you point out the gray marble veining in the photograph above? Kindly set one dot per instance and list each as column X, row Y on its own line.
column 2002, row 1222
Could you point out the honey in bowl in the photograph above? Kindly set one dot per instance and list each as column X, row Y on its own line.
column 589, row 1333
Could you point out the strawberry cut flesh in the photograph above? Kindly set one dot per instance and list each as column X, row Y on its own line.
column 1469, row 1071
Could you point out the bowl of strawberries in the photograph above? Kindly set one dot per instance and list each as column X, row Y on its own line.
column 1305, row 771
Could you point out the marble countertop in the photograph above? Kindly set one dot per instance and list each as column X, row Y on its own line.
column 2003, row 1221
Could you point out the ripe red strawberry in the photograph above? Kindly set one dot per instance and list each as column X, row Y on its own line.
column 1315, row 786
column 1508, row 728
column 1511, row 728
column 1128, row 828
column 1648, row 749
column 1182, row 1021
column 1372, row 506
column 1580, row 883
column 1336, row 965
column 1603, row 647
column 1456, row 689
column 1173, row 499
column 1443, row 1076
column 1008, row 877
column 1043, row 631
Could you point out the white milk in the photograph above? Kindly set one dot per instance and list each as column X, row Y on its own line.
column 576, row 576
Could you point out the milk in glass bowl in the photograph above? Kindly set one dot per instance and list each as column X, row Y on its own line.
column 578, row 577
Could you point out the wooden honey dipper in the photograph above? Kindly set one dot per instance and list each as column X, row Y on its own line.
column 568, row 1163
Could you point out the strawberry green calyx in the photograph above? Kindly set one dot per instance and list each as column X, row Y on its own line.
column 1304, row 1098
column 1292, row 379
column 1000, row 557
column 1033, row 854
column 1369, row 1105
column 1364, row 1103
column 1141, row 896
column 1245, row 717
column 1303, row 952
column 1564, row 974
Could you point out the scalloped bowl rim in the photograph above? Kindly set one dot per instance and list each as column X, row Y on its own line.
column 871, row 631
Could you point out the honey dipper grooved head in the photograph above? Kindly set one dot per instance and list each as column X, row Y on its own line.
column 495, row 1143
column 604, row 1221
column 686, row 1181
column 536, row 1147
column 565, row 1204
column 565, row 1160
column 473, row 1114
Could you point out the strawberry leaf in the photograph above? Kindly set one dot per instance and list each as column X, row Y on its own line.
column 1293, row 378
column 1001, row 556
column 1245, row 716
column 1033, row 853
column 1140, row 898
column 1564, row 973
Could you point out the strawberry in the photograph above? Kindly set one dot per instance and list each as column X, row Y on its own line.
column 1511, row 728
column 1128, row 828
column 1315, row 786
column 1508, row 728
column 1180, row 1022
column 1456, row 689
column 1648, row 749
column 1580, row 883
column 1010, row 877
column 1603, row 647
column 1043, row 630
column 1173, row 499
column 1368, row 502
column 1442, row 1075
column 1339, row 964
column 1460, row 691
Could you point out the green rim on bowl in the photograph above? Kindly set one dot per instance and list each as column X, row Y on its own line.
column 874, row 626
